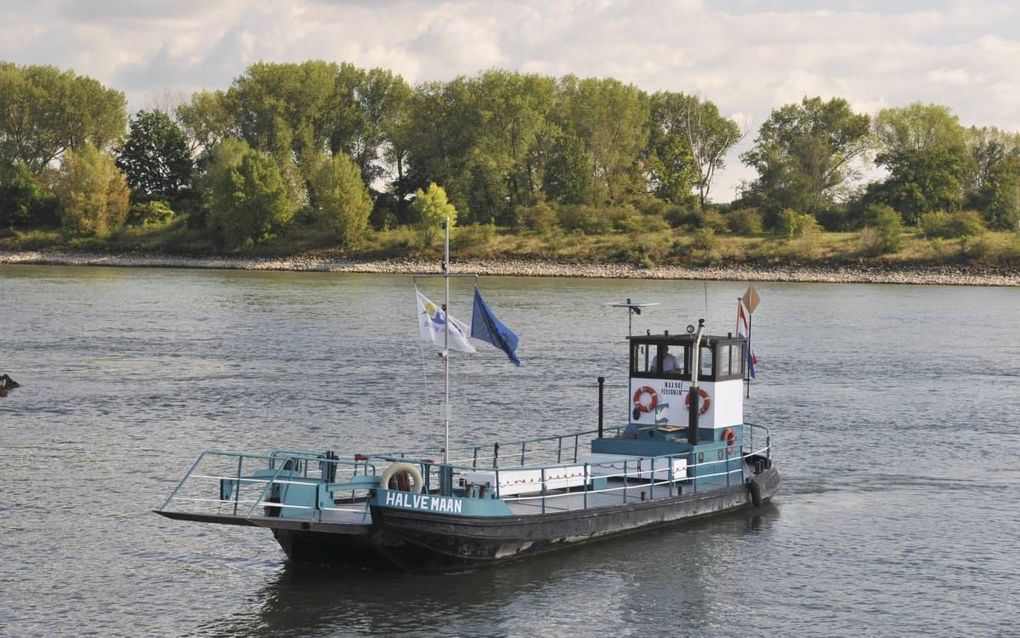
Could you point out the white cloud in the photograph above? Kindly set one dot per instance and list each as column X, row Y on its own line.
column 749, row 56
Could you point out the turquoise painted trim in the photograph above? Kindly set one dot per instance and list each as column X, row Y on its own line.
column 436, row 504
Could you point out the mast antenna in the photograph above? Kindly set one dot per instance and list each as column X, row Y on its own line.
column 633, row 308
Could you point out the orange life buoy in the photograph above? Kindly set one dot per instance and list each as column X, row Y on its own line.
column 706, row 400
column 653, row 400
column 730, row 437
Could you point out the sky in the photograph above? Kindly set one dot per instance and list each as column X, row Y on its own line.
column 747, row 56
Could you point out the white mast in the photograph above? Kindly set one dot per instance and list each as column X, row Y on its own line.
column 446, row 338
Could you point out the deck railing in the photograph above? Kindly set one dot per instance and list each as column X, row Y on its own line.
column 243, row 490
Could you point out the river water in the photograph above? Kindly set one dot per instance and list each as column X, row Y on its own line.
column 895, row 411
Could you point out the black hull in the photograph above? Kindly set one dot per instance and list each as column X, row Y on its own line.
column 420, row 541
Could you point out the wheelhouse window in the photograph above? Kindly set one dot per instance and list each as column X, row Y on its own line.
column 663, row 360
column 707, row 361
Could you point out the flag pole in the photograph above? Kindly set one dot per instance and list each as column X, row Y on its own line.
column 446, row 339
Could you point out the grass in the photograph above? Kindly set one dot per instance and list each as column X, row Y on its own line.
column 661, row 247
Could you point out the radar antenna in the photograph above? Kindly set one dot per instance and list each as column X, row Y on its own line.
column 633, row 308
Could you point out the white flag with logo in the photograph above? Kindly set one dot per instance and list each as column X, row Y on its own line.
column 432, row 324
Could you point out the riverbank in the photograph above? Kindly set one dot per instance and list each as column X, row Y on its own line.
column 830, row 273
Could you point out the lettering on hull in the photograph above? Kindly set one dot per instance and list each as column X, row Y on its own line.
column 424, row 502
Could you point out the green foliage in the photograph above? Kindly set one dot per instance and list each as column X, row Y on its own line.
column 791, row 224
column 155, row 158
column 705, row 239
column 432, row 210
column 94, row 196
column 24, row 202
column 205, row 121
column 714, row 220
column 688, row 142
column 923, row 148
column 940, row 224
column 341, row 199
column 246, row 197
column 44, row 112
column 804, row 153
column 150, row 214
column 540, row 218
column 473, row 236
column 888, row 225
column 745, row 221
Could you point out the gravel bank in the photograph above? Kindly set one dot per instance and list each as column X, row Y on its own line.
column 941, row 275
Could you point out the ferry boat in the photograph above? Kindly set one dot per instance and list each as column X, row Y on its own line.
column 685, row 452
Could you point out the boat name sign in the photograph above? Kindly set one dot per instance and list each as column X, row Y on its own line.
column 424, row 502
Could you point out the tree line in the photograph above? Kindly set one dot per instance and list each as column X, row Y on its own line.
column 344, row 149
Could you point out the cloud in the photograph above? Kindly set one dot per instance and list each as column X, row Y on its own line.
column 749, row 56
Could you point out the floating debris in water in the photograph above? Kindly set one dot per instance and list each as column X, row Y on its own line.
column 7, row 383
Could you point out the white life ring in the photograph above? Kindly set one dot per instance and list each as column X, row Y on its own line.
column 395, row 470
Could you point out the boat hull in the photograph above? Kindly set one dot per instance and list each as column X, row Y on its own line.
column 423, row 541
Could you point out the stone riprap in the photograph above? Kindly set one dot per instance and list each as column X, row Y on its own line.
column 865, row 273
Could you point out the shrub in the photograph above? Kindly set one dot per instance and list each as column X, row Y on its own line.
column 888, row 228
column 745, row 221
column 473, row 235
column 151, row 214
column 706, row 240
column 790, row 224
column 713, row 220
column 342, row 201
column 24, row 201
column 540, row 218
column 834, row 219
column 584, row 219
column 940, row 224
column 432, row 209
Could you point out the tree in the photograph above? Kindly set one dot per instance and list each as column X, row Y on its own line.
column 686, row 122
column 341, row 199
column 155, row 158
column 93, row 193
column 23, row 200
column 246, row 197
column 432, row 209
column 45, row 112
column 611, row 121
column 804, row 154
column 924, row 149
column 205, row 121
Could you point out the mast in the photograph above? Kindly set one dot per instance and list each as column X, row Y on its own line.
column 446, row 338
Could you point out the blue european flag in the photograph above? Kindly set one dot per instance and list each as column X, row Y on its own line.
column 485, row 326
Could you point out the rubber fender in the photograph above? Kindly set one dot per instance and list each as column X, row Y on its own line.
column 397, row 468
column 754, row 487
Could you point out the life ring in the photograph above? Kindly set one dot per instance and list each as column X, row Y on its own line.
column 406, row 475
column 706, row 400
column 639, row 405
column 730, row 437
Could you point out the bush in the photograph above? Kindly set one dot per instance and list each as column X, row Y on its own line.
column 790, row 224
column 585, row 219
column 834, row 219
column 342, row 201
column 888, row 228
column 678, row 216
column 150, row 214
column 432, row 209
column 706, row 240
column 540, row 218
column 713, row 220
column 473, row 235
column 24, row 202
column 942, row 225
column 745, row 221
